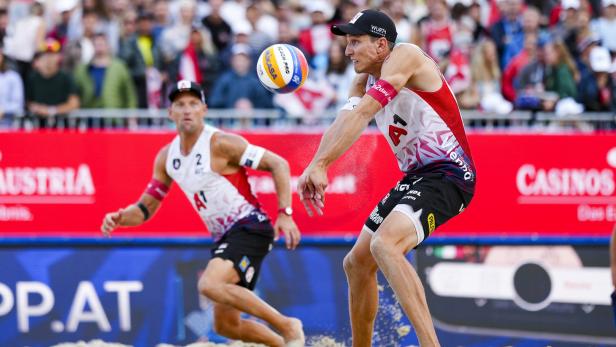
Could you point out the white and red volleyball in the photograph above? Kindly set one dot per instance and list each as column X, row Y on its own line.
column 282, row 68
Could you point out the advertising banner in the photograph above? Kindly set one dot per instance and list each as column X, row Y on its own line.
column 62, row 184
column 539, row 291
column 143, row 296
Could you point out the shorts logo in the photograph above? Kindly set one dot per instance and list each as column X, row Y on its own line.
column 250, row 273
column 244, row 263
column 431, row 222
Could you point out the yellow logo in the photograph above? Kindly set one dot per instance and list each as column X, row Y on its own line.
column 431, row 223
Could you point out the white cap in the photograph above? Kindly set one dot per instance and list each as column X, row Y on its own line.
column 600, row 60
column 566, row 4
column 320, row 6
column 568, row 106
column 240, row 48
column 242, row 27
column 607, row 3
column 65, row 5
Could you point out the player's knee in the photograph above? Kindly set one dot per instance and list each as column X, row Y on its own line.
column 380, row 246
column 356, row 265
column 208, row 288
column 348, row 263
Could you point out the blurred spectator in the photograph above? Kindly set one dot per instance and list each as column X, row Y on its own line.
column 121, row 22
column 197, row 62
column 340, row 73
column 128, row 29
column 474, row 12
column 141, row 55
column 174, row 39
column 105, row 82
column 435, row 31
column 50, row 93
column 261, row 34
column 161, row 17
column 4, row 23
column 264, row 20
column 81, row 50
column 485, row 76
column 464, row 27
column 240, row 84
column 65, row 10
column 395, row 9
column 561, row 74
column 532, row 93
column 316, row 39
column 511, row 72
column 596, row 87
column 11, row 93
column 347, row 9
column 286, row 34
column 605, row 26
column 568, row 24
column 25, row 38
column 508, row 33
column 220, row 29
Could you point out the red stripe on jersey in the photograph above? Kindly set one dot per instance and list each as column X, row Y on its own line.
column 240, row 181
column 444, row 103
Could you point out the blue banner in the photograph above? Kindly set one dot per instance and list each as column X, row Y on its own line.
column 145, row 295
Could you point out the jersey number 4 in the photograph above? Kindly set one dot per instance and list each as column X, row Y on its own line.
column 395, row 132
column 200, row 201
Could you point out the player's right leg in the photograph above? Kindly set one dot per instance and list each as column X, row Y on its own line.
column 227, row 322
column 219, row 284
column 360, row 269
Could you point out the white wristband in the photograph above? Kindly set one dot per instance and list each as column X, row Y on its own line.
column 352, row 103
column 252, row 156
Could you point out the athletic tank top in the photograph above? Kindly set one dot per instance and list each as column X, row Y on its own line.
column 426, row 133
column 220, row 200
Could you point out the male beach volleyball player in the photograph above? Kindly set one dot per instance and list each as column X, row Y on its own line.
column 208, row 165
column 403, row 90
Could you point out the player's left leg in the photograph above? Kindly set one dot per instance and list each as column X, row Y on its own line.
column 395, row 237
column 227, row 322
column 218, row 283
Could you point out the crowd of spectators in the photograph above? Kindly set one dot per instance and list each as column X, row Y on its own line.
column 497, row 55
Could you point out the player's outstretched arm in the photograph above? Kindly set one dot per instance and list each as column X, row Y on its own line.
column 238, row 152
column 149, row 202
column 352, row 120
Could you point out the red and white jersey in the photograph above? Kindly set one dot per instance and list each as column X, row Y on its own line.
column 220, row 200
column 426, row 133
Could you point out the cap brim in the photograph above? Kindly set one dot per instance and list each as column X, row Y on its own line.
column 346, row 29
column 174, row 94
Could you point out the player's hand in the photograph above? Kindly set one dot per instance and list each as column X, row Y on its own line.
column 286, row 225
column 311, row 189
column 111, row 222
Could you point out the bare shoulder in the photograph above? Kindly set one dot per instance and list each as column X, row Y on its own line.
column 160, row 165
column 161, row 156
column 223, row 142
column 405, row 55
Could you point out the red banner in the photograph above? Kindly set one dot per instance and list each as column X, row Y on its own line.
column 62, row 183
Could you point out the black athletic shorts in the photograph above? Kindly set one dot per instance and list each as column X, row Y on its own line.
column 246, row 244
column 429, row 200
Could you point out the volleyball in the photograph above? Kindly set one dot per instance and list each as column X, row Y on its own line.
column 282, row 68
